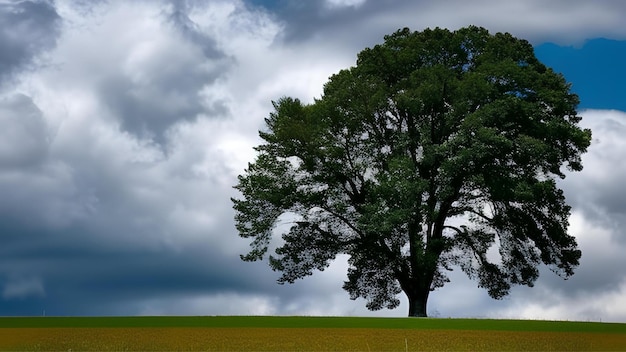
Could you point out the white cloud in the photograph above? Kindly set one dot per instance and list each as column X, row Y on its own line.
column 218, row 304
column 597, row 190
column 596, row 292
column 344, row 3
column 19, row 288
column 609, row 306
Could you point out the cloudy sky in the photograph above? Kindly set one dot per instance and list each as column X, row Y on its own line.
column 123, row 126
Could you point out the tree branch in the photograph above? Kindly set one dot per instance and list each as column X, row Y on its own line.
column 344, row 220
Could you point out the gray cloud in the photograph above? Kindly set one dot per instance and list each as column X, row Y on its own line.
column 598, row 191
column 597, row 222
column 23, row 138
column 28, row 28
column 179, row 17
column 559, row 21
column 107, row 230
column 71, row 274
column 163, row 80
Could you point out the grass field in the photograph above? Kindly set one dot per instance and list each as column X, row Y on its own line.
column 305, row 333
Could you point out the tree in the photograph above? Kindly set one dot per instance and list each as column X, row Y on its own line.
column 439, row 149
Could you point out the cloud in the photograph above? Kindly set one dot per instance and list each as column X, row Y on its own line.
column 597, row 288
column 364, row 25
column 23, row 287
column 23, row 137
column 607, row 306
column 35, row 188
column 229, row 304
column 155, row 71
column 28, row 28
column 102, row 211
column 344, row 3
column 597, row 192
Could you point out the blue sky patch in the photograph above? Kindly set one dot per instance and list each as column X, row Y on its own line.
column 596, row 71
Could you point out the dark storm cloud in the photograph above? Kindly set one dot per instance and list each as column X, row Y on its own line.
column 315, row 19
column 303, row 18
column 75, row 271
column 26, row 29
column 87, row 268
column 90, row 227
column 84, row 280
column 33, row 189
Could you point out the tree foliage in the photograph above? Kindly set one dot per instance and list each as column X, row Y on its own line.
column 439, row 149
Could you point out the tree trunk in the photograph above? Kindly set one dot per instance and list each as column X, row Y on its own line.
column 417, row 304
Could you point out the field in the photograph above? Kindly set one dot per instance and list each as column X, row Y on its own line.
column 305, row 333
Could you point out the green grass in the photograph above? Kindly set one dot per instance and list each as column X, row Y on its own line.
column 258, row 333
column 312, row 322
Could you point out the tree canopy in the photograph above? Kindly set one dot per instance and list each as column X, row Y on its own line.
column 439, row 149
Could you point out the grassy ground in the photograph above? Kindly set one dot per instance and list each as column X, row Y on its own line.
column 305, row 333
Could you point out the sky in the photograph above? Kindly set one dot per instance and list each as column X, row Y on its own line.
column 124, row 125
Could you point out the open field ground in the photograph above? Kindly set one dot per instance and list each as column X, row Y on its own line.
column 305, row 333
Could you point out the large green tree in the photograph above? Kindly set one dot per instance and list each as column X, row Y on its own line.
column 439, row 149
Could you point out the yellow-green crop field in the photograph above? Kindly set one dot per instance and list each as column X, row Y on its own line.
column 304, row 334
